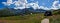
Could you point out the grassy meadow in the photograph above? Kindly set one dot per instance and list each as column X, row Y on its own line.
column 30, row 18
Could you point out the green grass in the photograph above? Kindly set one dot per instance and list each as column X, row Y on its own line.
column 55, row 19
column 33, row 18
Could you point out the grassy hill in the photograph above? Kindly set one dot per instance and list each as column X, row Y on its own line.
column 34, row 18
column 31, row 18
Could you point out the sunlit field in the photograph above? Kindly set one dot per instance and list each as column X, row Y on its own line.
column 30, row 18
column 34, row 18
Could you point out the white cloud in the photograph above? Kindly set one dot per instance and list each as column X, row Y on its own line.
column 9, row 2
column 59, row 5
column 53, row 8
column 41, row 7
column 29, row 5
column 34, row 5
column 55, row 5
column 4, row 3
column 44, row 8
column 23, row 1
column 22, row 4
column 19, row 7
column 19, row 4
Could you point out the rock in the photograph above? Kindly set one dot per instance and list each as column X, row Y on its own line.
column 45, row 20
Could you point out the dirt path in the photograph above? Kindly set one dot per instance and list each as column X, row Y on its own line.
column 45, row 20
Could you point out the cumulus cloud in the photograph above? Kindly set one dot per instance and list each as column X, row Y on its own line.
column 44, row 8
column 22, row 4
column 52, row 8
column 55, row 5
column 9, row 2
column 4, row 3
column 59, row 5
column 35, row 5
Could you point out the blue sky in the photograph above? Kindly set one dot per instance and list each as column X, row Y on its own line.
column 46, row 3
column 1, row 5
